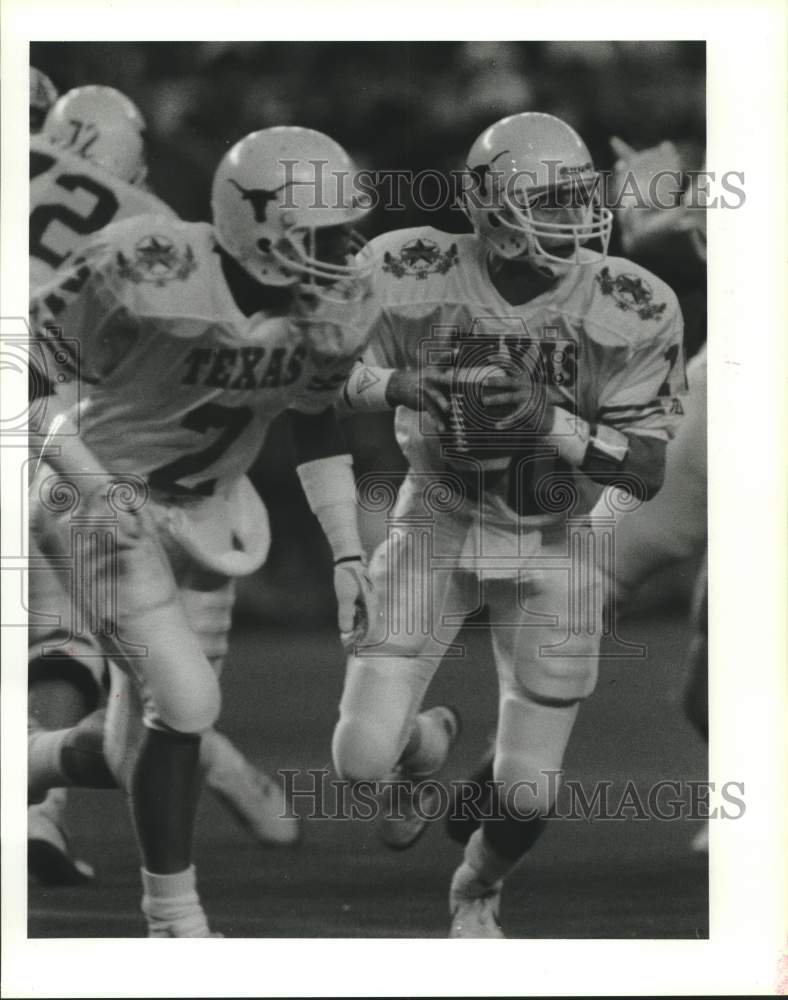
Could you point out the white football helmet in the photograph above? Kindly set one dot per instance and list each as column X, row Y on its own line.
column 103, row 126
column 43, row 94
column 535, row 193
column 283, row 203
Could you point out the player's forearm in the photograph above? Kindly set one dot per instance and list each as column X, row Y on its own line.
column 325, row 469
column 608, row 456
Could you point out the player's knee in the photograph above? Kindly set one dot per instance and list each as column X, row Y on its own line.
column 363, row 751
column 561, row 678
column 189, row 712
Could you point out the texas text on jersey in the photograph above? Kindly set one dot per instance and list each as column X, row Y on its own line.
column 182, row 385
column 605, row 340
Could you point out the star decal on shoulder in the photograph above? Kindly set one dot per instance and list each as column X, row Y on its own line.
column 157, row 260
column 419, row 258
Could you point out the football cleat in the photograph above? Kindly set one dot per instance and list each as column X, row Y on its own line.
column 190, row 923
column 49, row 857
column 408, row 808
column 253, row 798
column 178, row 929
column 472, row 915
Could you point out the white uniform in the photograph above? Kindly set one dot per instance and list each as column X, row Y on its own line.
column 179, row 388
column 607, row 341
column 70, row 201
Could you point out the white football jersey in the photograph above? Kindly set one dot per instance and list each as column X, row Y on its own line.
column 607, row 338
column 70, row 200
column 178, row 385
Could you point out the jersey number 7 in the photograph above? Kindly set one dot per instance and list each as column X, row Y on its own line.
column 231, row 419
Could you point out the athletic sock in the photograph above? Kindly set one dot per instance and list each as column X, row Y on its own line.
column 171, row 905
column 482, row 868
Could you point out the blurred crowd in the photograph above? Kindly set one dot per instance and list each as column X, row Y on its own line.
column 394, row 106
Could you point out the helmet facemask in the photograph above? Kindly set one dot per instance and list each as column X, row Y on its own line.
column 317, row 258
column 329, row 295
column 548, row 224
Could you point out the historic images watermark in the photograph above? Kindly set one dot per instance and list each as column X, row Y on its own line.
column 317, row 795
column 492, row 189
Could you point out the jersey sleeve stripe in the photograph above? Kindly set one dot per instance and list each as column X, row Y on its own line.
column 625, row 417
column 630, row 406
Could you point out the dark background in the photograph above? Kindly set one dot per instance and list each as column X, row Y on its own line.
column 394, row 106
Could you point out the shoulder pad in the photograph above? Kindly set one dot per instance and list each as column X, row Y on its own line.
column 416, row 253
column 157, row 249
column 633, row 290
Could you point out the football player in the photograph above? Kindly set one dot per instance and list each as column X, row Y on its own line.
column 88, row 169
column 672, row 528
column 192, row 338
column 529, row 371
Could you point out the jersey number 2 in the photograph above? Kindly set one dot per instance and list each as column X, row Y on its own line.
column 101, row 214
column 231, row 419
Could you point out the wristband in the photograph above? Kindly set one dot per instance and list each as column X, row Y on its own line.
column 571, row 435
column 596, row 447
column 608, row 445
column 330, row 490
column 365, row 389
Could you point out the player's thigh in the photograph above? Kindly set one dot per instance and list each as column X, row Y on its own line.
column 123, row 584
column 546, row 629
column 418, row 586
column 385, row 686
column 123, row 725
column 157, row 643
column 207, row 600
column 146, row 631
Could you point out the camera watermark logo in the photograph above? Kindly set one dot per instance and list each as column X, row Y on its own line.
column 33, row 369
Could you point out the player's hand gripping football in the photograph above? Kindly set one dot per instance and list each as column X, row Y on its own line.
column 427, row 389
column 355, row 600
